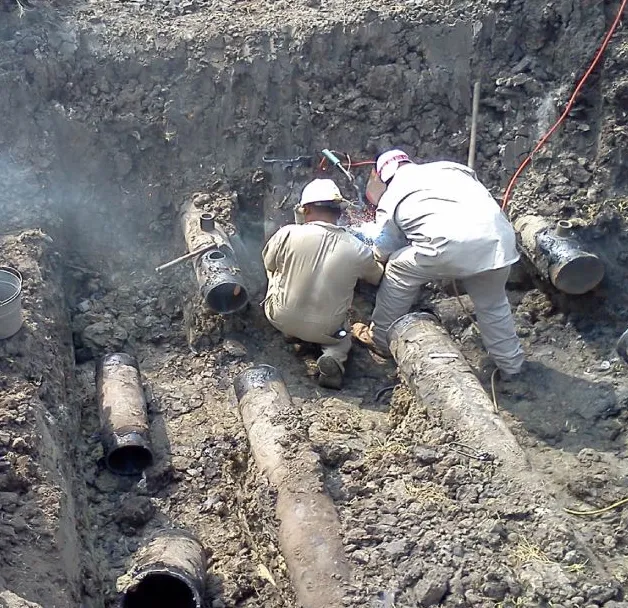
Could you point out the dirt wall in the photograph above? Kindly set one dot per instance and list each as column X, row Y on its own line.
column 40, row 495
column 117, row 126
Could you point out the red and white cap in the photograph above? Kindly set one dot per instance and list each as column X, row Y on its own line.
column 388, row 163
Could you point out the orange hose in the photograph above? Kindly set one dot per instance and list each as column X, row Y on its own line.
column 572, row 99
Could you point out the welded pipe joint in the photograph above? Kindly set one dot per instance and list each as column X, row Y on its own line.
column 402, row 325
column 255, row 377
column 125, row 432
column 169, row 571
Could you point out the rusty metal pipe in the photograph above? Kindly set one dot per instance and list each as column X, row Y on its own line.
column 557, row 255
column 440, row 377
column 218, row 272
column 168, row 572
column 125, row 433
column 309, row 528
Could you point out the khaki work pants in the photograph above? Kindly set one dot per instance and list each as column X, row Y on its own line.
column 405, row 275
column 308, row 332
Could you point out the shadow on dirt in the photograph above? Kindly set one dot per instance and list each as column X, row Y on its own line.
column 564, row 411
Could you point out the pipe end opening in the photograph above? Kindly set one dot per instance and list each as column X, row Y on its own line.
column 578, row 276
column 129, row 460
column 227, row 298
column 161, row 590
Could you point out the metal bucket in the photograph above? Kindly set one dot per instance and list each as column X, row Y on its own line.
column 10, row 301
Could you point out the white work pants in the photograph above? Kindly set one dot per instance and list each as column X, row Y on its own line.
column 405, row 274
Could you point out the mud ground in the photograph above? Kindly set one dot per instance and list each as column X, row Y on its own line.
column 120, row 112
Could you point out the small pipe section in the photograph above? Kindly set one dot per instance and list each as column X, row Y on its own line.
column 207, row 222
column 218, row 271
column 557, row 255
column 125, row 431
column 169, row 572
column 563, row 228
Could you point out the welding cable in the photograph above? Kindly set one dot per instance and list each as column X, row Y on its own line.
column 619, row 503
column 570, row 103
column 322, row 166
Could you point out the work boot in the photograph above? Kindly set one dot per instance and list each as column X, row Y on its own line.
column 363, row 334
column 330, row 372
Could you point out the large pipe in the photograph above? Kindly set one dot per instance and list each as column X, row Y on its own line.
column 125, row 431
column 557, row 255
column 218, row 272
column 440, row 377
column 168, row 572
column 309, row 530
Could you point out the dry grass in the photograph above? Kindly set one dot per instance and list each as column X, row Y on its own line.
column 428, row 494
column 527, row 552
column 383, row 449
column 334, row 421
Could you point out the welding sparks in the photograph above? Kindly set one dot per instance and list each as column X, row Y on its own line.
column 367, row 232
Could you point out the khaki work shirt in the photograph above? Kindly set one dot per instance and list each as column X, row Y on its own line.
column 443, row 210
column 312, row 271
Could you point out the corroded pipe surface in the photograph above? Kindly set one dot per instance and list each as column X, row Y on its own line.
column 557, row 255
column 440, row 377
column 309, row 531
column 124, row 423
column 218, row 272
column 169, row 572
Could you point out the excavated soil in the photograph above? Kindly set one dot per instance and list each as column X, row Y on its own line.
column 118, row 113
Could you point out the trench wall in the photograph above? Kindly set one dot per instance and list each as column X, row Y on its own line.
column 113, row 137
column 40, row 494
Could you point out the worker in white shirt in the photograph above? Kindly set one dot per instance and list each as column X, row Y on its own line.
column 312, row 271
column 439, row 222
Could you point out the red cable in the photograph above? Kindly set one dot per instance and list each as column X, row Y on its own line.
column 362, row 163
column 572, row 99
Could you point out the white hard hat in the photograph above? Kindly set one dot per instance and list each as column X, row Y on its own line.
column 323, row 192
column 388, row 163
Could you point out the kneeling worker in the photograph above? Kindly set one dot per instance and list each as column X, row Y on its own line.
column 449, row 227
column 312, row 271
